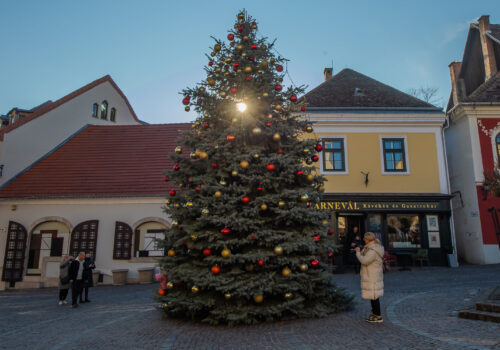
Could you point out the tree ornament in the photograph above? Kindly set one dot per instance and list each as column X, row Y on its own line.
column 203, row 155
column 175, row 223
column 244, row 164
column 245, row 199
column 172, row 193
column 256, row 131
column 197, row 188
column 265, row 94
column 315, row 263
column 215, row 269
column 189, row 204
column 218, row 194
column 309, row 129
column 304, row 267
column 272, row 60
column 315, row 158
column 258, row 299
column 268, row 124
column 279, row 68
column 222, row 182
column 248, row 69
column 277, row 107
column 210, row 63
column 310, row 178
column 321, row 188
column 245, row 38
column 299, row 173
column 240, row 29
column 170, row 285
column 195, row 289
column 234, row 89
column 256, row 156
column 303, row 108
column 281, row 204
column 241, row 16
column 165, row 179
column 278, row 250
column 239, row 47
column 206, row 125
column 276, row 137
column 234, row 173
column 194, row 237
column 278, row 87
column 205, row 211
column 217, row 47
column 249, row 267
column 286, row 272
column 260, row 262
column 225, row 231
column 192, row 155
column 259, row 189
column 187, row 108
column 270, row 167
column 212, row 54
column 251, row 58
column 168, row 202
column 248, row 78
column 330, row 232
column 222, row 94
column 185, row 101
column 230, row 138
column 263, row 207
column 317, row 237
column 171, row 252
column 207, row 252
column 227, row 296
column 304, row 197
column 161, row 292
column 211, row 81
column 225, row 253
column 280, row 151
column 309, row 161
column 288, row 295
column 263, row 64
column 293, row 98
column 230, row 37
column 214, row 165
column 318, row 147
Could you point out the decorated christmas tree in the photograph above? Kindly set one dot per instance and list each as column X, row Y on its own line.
column 246, row 245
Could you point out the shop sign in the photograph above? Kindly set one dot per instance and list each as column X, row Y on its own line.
column 376, row 205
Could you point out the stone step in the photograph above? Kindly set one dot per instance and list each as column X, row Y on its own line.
column 480, row 315
column 488, row 306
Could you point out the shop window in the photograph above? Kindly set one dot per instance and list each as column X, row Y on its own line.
column 95, row 110
column 334, row 155
column 104, row 110
column 112, row 116
column 123, row 241
column 394, row 155
column 403, row 231
column 375, row 226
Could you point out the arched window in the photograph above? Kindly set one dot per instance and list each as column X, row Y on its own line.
column 95, row 110
column 84, row 238
column 112, row 116
column 497, row 143
column 104, row 110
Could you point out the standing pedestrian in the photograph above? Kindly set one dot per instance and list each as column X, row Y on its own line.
column 88, row 281
column 76, row 278
column 64, row 278
column 355, row 242
column 372, row 274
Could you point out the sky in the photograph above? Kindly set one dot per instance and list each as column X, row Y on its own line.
column 154, row 49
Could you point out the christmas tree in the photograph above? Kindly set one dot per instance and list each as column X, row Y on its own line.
column 246, row 245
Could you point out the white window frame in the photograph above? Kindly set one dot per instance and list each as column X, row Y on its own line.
column 322, row 155
column 406, row 151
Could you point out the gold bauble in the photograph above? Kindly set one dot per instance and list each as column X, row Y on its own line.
column 258, row 298
column 187, row 108
column 239, row 71
column 200, row 133
column 227, row 296
column 181, row 185
column 192, row 155
column 305, row 150
column 211, row 81
column 222, row 94
column 170, row 285
column 226, row 74
column 321, row 188
column 248, row 69
column 178, row 149
column 309, row 129
column 270, row 116
column 256, row 131
column 212, row 54
column 239, row 47
column 263, row 63
column 227, row 60
column 295, row 136
column 286, row 272
column 263, row 207
column 171, row 252
column 168, row 202
column 245, row 38
column 278, row 250
column 203, row 155
column 256, row 156
column 217, row 47
column 281, row 204
column 310, row 178
column 263, row 47
column 276, row 137
column 260, row 71
column 241, row 16
column 265, row 94
column 176, row 205
column 254, row 27
column 222, row 182
column 277, row 107
column 189, row 204
column 175, row 223
column 205, row 115
column 288, row 295
column 249, row 267
column 244, row 54
column 244, row 164
column 218, row 194
column 218, row 70
column 197, row 152
column 225, row 253
column 164, row 305
column 234, row 173
column 304, row 267
column 304, row 197
column 271, row 61
column 202, row 89
column 195, row 289
column 235, row 120
column 324, row 222
column 205, row 211
column 194, row 237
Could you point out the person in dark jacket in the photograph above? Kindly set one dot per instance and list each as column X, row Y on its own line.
column 355, row 243
column 76, row 278
column 64, row 279
column 88, row 281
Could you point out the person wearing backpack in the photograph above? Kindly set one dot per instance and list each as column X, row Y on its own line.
column 372, row 274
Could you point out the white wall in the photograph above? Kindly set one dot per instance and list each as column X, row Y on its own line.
column 129, row 210
column 26, row 144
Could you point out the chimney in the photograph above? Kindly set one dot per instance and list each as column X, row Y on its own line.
column 457, row 84
column 490, row 65
column 328, row 73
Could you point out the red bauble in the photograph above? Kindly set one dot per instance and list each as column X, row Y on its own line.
column 240, row 29
column 315, row 263
column 215, row 270
column 279, row 68
column 330, row 232
column 245, row 199
column 206, row 125
column 315, row 158
column 254, row 47
column 236, row 65
column 207, row 252
column 270, row 167
column 248, row 78
column 210, row 63
column 278, row 87
column 251, row 58
column 318, row 147
column 185, row 101
column 230, row 138
column 190, row 180
column 299, row 173
column 293, row 98
column 214, row 165
column 234, row 89
column 172, row 193
column 161, row 291
column 280, row 151
column 165, row 178
column 230, row 37
column 198, row 101
column 197, row 188
column 260, row 262
column 176, row 167
column 252, row 237
column 317, row 237
column 225, row 231
column 268, row 124
column 330, row 254
column 259, row 189
column 303, row 108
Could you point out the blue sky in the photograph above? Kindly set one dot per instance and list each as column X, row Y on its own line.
column 153, row 49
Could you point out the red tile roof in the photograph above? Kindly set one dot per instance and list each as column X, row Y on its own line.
column 102, row 161
column 50, row 106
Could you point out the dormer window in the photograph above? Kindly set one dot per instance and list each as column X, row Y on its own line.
column 358, row 92
column 95, row 110
column 104, row 109
column 112, row 116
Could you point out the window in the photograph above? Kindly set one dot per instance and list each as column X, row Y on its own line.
column 403, row 231
column 334, row 155
column 112, row 116
column 104, row 110
column 123, row 241
column 84, row 238
column 152, row 245
column 497, row 144
column 13, row 264
column 95, row 110
column 394, row 154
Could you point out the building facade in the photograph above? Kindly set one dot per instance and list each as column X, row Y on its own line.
column 473, row 144
column 385, row 164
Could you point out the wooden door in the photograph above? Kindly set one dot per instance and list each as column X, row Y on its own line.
column 14, row 253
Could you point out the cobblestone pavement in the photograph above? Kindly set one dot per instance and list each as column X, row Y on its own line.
column 420, row 310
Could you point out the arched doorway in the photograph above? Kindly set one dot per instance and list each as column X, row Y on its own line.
column 15, row 248
column 49, row 238
column 146, row 233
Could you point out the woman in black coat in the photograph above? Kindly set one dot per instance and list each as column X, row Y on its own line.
column 88, row 281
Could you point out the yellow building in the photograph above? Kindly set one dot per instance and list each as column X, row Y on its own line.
column 385, row 164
